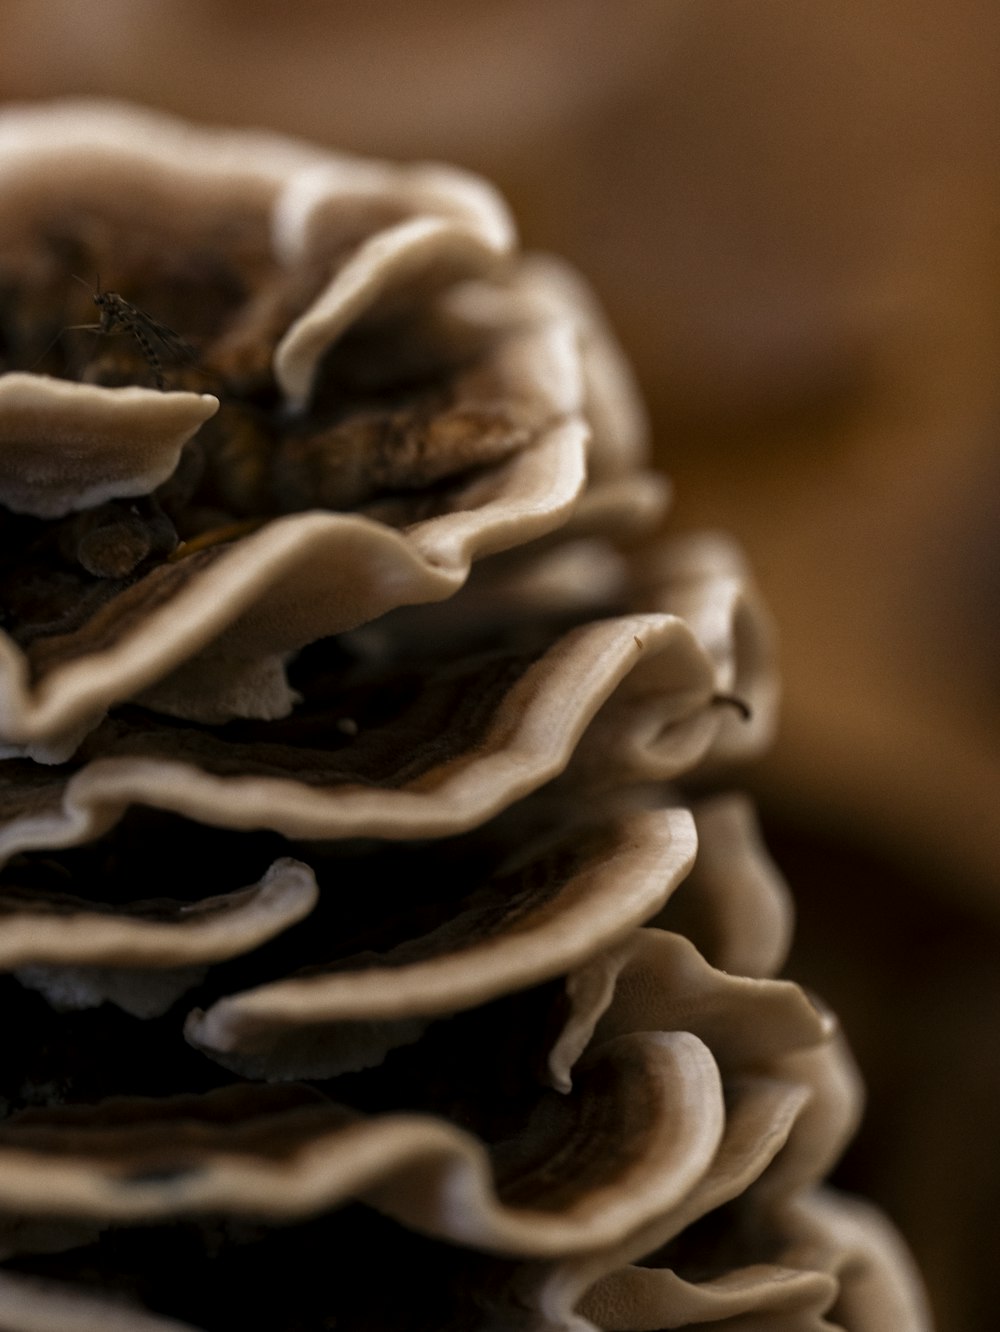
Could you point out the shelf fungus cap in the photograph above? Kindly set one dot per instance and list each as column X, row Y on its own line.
column 354, row 905
column 402, row 395
column 65, row 446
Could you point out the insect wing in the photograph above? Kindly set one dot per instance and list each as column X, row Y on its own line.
column 170, row 343
column 119, row 314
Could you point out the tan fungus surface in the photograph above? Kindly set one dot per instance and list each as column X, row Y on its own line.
column 349, row 608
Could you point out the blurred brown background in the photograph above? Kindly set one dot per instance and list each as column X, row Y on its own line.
column 790, row 211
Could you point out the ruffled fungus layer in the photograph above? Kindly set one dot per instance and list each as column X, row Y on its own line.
column 356, row 917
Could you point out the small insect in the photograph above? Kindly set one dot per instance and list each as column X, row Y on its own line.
column 153, row 339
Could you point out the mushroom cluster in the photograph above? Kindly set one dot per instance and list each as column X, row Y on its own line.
column 377, row 951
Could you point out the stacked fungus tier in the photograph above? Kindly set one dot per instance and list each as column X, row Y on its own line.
column 377, row 949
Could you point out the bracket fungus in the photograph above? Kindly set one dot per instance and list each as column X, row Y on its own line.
column 358, row 915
